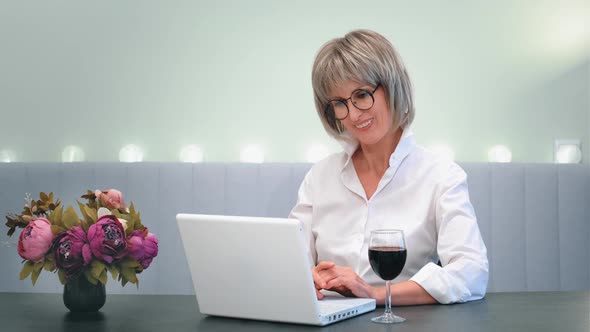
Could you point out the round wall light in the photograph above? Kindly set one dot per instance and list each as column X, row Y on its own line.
column 499, row 154
column 130, row 153
column 7, row 156
column 252, row 154
column 191, row 154
column 72, row 153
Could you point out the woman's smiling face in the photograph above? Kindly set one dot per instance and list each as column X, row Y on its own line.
column 367, row 126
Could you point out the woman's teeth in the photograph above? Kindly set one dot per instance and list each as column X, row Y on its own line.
column 364, row 124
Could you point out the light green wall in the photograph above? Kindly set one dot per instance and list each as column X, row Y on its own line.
column 101, row 74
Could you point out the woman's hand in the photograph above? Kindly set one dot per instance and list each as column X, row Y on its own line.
column 319, row 281
column 341, row 279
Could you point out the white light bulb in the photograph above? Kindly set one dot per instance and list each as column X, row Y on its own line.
column 567, row 151
column 316, row 152
column 72, row 153
column 499, row 154
column 7, row 156
column 568, row 154
column 252, row 154
column 443, row 150
column 130, row 153
column 191, row 154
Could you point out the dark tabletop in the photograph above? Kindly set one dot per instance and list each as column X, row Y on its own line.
column 534, row 311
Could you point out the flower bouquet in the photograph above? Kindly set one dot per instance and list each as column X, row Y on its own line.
column 108, row 237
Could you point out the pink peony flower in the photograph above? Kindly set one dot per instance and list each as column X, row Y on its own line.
column 35, row 240
column 107, row 239
column 143, row 247
column 105, row 212
column 72, row 251
column 112, row 198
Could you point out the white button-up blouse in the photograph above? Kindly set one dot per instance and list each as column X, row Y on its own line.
column 424, row 195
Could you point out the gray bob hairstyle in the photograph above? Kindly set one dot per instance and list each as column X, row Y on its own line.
column 368, row 58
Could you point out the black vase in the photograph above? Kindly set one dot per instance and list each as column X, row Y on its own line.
column 82, row 296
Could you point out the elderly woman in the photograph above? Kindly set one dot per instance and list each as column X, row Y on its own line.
column 384, row 180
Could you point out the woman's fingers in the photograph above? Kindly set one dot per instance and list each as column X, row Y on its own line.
column 350, row 285
column 319, row 294
column 323, row 265
column 317, row 279
column 334, row 283
column 320, row 281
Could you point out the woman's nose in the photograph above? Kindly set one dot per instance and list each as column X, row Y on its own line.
column 353, row 112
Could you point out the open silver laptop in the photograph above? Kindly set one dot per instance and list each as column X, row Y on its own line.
column 257, row 268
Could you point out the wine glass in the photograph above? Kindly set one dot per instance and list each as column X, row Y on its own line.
column 387, row 256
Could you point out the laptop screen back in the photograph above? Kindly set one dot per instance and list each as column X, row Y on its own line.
column 249, row 267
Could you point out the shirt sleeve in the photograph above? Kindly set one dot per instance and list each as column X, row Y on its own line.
column 303, row 212
column 461, row 250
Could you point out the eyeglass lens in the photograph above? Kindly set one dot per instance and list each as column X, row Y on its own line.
column 361, row 99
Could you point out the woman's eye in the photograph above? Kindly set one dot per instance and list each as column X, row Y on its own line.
column 362, row 94
column 338, row 104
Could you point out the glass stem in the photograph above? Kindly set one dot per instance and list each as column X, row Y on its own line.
column 387, row 299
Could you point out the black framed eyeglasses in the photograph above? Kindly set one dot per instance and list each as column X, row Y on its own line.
column 362, row 99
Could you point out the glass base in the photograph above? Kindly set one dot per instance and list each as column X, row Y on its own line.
column 388, row 319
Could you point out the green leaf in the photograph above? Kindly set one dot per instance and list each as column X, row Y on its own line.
column 55, row 229
column 51, row 197
column 62, row 276
column 137, row 220
column 117, row 214
column 129, row 274
column 83, row 211
column 103, row 277
column 126, row 217
column 131, row 224
column 49, row 266
column 97, row 268
column 84, row 225
column 70, row 218
column 88, row 213
column 134, row 221
column 43, row 196
column 56, row 216
column 114, row 270
column 128, row 262
column 91, row 213
column 27, row 269
column 37, row 268
column 35, row 276
column 90, row 277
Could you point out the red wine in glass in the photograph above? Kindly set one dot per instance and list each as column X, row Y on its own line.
column 387, row 256
column 387, row 262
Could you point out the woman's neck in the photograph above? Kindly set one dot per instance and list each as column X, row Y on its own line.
column 374, row 158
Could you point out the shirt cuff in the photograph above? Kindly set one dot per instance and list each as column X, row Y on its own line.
column 437, row 283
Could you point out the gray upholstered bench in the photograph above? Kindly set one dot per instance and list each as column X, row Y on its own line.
column 534, row 218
